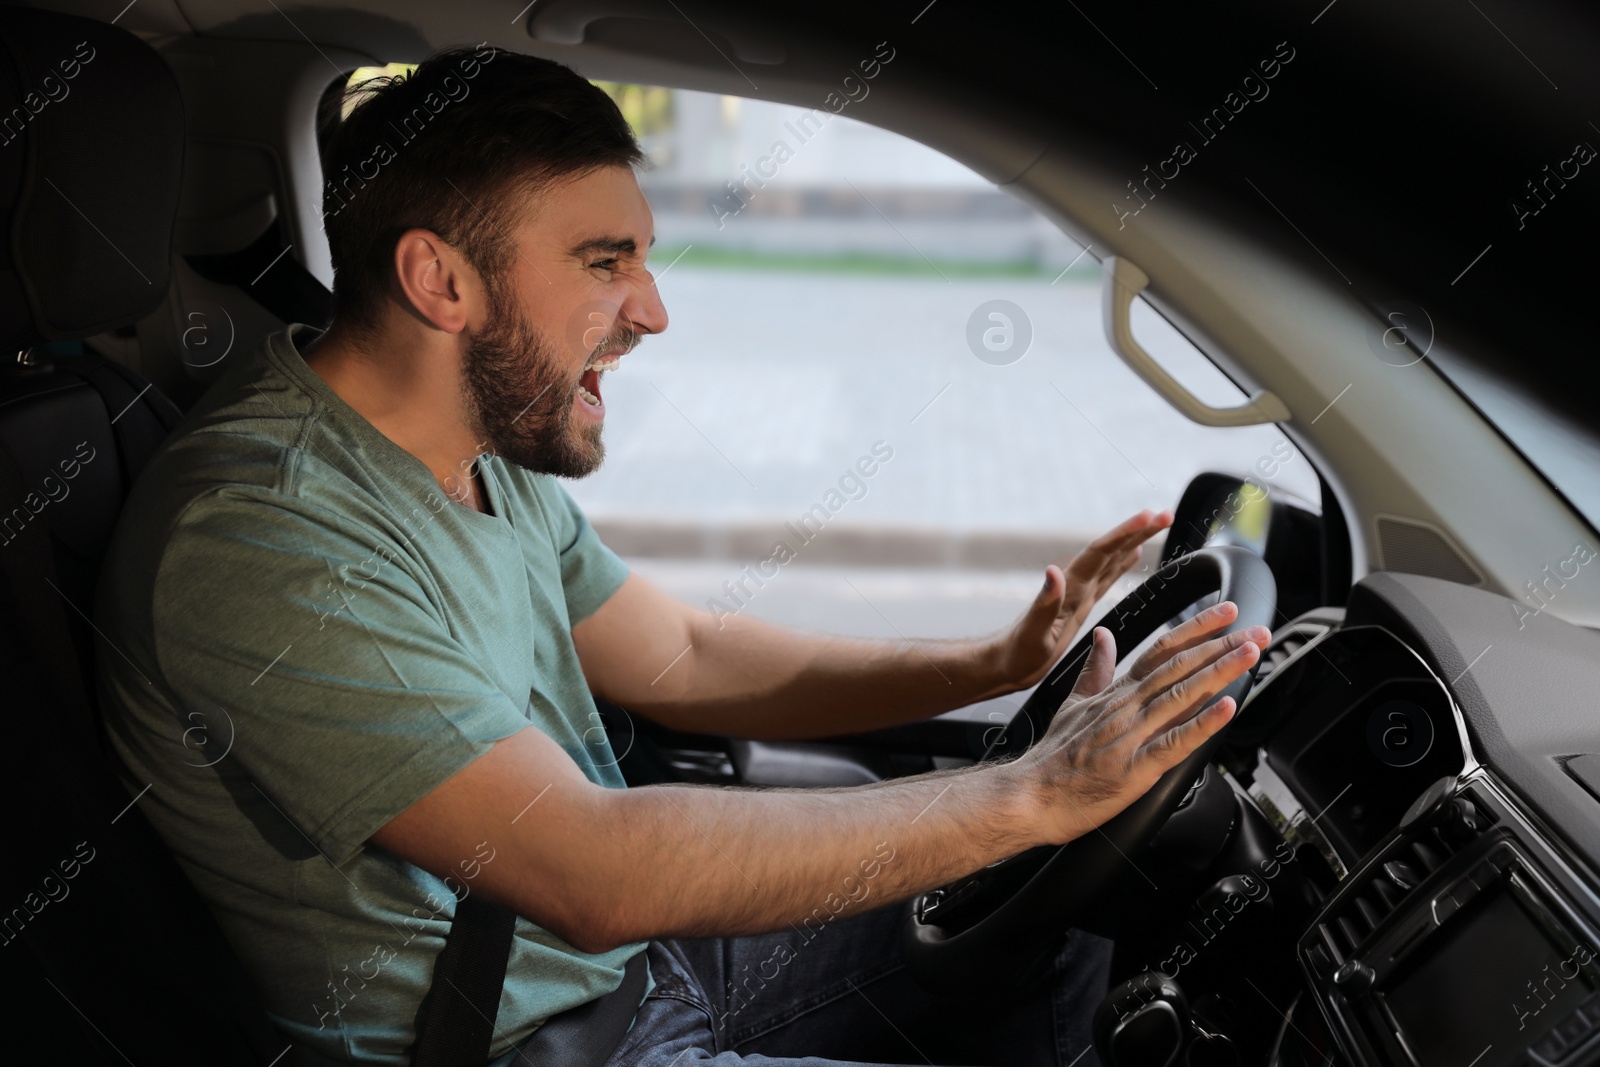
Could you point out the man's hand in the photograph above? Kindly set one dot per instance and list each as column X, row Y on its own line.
column 1025, row 653
column 1111, row 740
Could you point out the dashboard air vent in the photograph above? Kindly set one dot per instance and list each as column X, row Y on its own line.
column 1431, row 838
column 1299, row 634
column 1286, row 646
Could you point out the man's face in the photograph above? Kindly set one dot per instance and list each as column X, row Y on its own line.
column 575, row 298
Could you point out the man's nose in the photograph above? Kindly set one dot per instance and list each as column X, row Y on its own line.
column 644, row 308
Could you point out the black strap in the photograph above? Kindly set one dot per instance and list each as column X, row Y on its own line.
column 457, row 1017
column 276, row 281
column 458, row 1022
column 587, row 1035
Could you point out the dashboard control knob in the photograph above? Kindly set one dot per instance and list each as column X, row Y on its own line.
column 1459, row 822
column 1353, row 978
column 1427, row 805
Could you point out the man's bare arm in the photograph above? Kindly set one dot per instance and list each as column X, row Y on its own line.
column 742, row 677
column 604, row 867
column 737, row 676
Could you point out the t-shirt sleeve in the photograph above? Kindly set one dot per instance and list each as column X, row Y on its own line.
column 590, row 572
column 349, row 697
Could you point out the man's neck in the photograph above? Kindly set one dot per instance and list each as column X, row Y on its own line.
column 409, row 390
column 469, row 492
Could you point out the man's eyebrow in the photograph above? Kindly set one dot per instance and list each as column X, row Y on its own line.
column 608, row 243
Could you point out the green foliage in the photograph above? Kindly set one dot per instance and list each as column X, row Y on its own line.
column 648, row 108
column 366, row 74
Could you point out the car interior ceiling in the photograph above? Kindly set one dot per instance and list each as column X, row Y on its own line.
column 1390, row 142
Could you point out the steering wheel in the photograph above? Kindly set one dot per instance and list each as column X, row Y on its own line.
column 993, row 928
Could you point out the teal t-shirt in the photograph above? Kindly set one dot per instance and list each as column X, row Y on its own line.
column 304, row 637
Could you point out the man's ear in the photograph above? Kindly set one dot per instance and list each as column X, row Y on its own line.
column 435, row 280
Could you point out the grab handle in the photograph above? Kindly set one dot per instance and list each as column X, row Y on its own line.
column 1124, row 281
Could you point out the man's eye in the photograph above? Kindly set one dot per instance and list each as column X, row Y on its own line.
column 605, row 264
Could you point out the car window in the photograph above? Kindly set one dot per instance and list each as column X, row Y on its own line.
column 883, row 364
column 885, row 400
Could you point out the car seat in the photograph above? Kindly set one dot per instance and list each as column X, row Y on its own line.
column 107, row 954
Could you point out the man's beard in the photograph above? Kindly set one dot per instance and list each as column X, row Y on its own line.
column 520, row 397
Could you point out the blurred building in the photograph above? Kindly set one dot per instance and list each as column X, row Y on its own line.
column 752, row 176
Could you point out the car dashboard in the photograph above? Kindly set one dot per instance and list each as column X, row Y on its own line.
column 1431, row 745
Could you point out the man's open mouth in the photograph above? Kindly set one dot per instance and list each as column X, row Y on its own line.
column 589, row 382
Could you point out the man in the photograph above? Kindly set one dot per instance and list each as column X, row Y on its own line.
column 357, row 625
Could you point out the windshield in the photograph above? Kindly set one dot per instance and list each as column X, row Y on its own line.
column 1568, row 455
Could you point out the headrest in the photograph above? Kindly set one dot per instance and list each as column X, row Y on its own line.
column 91, row 165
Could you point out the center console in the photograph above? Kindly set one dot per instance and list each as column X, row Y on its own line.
column 1457, row 933
column 1458, row 944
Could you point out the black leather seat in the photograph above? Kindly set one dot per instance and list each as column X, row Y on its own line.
column 107, row 954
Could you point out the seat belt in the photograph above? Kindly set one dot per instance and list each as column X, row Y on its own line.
column 279, row 283
column 587, row 1035
column 463, row 999
column 458, row 1014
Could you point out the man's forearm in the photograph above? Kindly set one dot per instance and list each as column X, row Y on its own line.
column 747, row 678
column 741, row 677
column 669, row 861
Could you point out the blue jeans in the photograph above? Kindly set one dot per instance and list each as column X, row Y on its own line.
column 842, row 998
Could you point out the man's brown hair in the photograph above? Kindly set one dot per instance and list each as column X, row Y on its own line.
column 461, row 147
